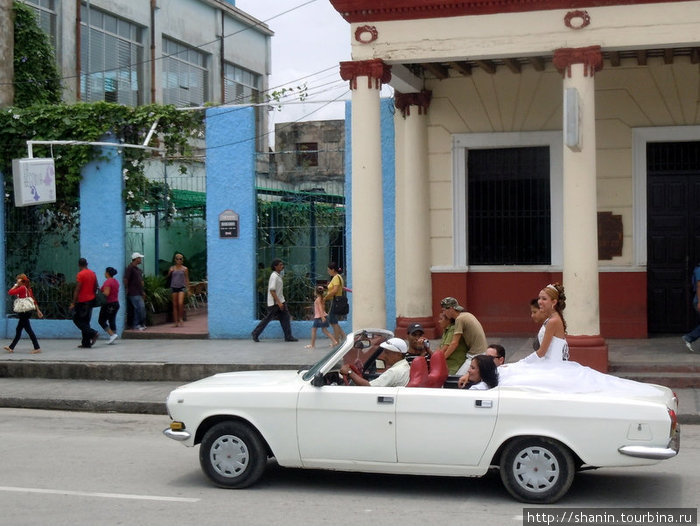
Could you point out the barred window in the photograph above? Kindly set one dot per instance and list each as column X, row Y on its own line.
column 185, row 75
column 508, row 206
column 111, row 52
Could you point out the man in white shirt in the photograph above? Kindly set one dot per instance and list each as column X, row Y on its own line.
column 394, row 357
column 276, row 306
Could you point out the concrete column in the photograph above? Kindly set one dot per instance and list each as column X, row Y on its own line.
column 413, row 282
column 580, row 273
column 368, row 280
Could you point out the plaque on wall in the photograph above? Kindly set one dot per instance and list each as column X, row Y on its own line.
column 609, row 235
column 228, row 224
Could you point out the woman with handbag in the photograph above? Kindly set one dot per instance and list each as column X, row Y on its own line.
column 335, row 291
column 24, row 305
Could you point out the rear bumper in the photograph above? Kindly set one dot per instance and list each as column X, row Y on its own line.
column 655, row 453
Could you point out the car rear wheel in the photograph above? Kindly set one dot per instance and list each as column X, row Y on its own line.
column 537, row 470
column 232, row 455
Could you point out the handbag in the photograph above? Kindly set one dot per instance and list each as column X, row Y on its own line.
column 100, row 299
column 340, row 305
column 24, row 304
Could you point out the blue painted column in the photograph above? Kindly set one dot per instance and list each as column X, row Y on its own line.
column 103, row 224
column 231, row 266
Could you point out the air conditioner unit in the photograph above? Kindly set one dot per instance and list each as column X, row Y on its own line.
column 34, row 181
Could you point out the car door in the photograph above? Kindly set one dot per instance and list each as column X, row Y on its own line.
column 444, row 426
column 338, row 423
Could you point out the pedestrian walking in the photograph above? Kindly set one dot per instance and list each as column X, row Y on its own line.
column 179, row 277
column 133, row 285
column 83, row 301
column 320, row 318
column 276, row 305
column 25, row 305
column 108, row 311
column 339, row 302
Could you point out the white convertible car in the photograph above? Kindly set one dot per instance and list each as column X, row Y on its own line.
column 311, row 419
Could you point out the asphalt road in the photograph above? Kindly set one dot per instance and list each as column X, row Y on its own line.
column 62, row 468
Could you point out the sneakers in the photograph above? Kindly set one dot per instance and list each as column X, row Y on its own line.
column 93, row 339
column 141, row 328
column 112, row 338
column 688, row 344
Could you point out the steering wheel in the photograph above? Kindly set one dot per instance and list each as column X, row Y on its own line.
column 356, row 368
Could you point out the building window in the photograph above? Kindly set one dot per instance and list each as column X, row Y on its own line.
column 243, row 87
column 111, row 52
column 307, row 154
column 185, row 75
column 508, row 206
column 45, row 11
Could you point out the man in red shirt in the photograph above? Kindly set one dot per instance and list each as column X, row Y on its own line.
column 83, row 299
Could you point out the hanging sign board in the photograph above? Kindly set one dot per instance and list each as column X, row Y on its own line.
column 34, row 181
column 228, row 224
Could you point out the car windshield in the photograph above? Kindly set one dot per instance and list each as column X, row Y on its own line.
column 357, row 347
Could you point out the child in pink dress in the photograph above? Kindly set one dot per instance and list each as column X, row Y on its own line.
column 320, row 318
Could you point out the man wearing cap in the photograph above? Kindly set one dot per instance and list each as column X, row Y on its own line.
column 394, row 357
column 467, row 328
column 418, row 345
column 133, row 285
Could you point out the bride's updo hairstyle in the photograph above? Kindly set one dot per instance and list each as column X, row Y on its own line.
column 556, row 292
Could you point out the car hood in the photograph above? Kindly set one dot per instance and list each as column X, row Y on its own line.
column 257, row 379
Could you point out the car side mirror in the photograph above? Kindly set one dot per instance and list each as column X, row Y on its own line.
column 317, row 380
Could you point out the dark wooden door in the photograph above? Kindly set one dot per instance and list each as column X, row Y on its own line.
column 673, row 234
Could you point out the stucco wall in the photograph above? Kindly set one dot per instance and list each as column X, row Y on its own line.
column 627, row 97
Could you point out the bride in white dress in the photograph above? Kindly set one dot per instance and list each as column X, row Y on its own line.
column 548, row 368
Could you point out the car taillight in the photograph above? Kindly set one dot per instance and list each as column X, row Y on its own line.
column 674, row 420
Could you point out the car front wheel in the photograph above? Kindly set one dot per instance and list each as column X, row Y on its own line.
column 232, row 455
column 537, row 470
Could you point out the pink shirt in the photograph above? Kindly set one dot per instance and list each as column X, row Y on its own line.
column 319, row 308
column 113, row 285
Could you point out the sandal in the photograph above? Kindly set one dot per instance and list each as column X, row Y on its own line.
column 308, row 347
column 8, row 349
column 36, row 351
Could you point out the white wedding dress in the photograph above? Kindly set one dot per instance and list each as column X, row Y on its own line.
column 553, row 372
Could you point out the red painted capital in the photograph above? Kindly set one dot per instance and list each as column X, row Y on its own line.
column 374, row 69
column 404, row 101
column 591, row 57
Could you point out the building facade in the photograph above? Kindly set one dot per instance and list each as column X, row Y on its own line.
column 536, row 141
column 181, row 52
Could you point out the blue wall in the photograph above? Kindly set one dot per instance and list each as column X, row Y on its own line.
column 230, row 165
column 102, row 237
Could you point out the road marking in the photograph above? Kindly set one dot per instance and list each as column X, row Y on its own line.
column 95, row 494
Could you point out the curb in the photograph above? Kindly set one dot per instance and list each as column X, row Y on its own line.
column 90, row 406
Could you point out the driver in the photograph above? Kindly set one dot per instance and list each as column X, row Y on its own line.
column 394, row 356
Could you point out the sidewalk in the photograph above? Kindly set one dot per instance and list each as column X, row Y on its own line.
column 135, row 376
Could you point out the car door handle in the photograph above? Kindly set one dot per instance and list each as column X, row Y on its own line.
column 385, row 399
column 486, row 404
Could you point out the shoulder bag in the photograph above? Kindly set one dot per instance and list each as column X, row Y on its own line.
column 24, row 304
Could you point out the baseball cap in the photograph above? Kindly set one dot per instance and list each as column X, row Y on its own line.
column 136, row 255
column 451, row 303
column 395, row 344
column 414, row 327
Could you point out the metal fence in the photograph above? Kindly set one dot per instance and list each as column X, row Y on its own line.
column 42, row 243
column 307, row 231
